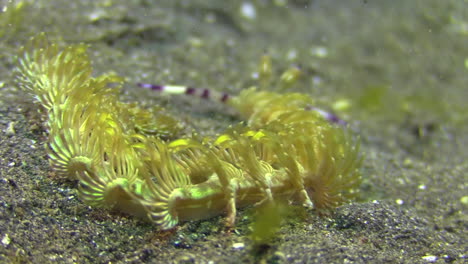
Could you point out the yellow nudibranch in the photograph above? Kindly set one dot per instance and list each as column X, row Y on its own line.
column 123, row 160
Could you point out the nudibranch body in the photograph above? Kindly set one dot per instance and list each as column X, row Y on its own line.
column 123, row 160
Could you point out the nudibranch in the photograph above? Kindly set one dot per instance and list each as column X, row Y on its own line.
column 131, row 159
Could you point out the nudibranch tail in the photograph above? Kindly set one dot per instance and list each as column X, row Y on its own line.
column 50, row 73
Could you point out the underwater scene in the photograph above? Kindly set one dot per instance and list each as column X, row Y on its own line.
column 262, row 131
